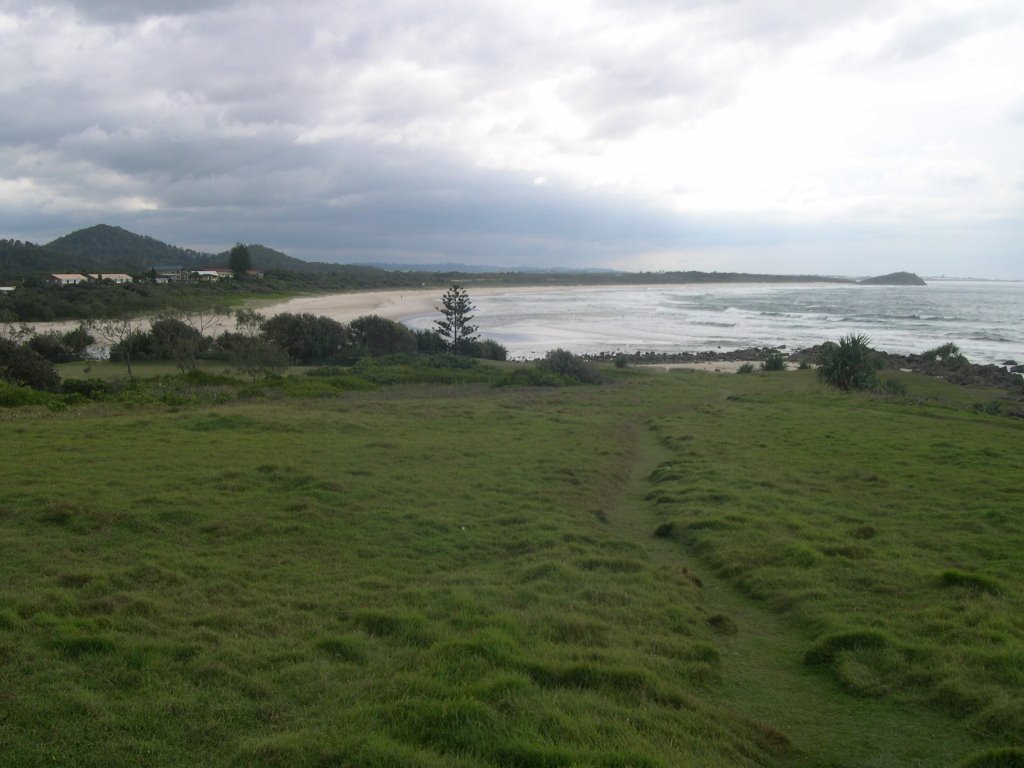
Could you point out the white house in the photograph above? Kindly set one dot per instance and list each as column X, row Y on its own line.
column 67, row 279
column 114, row 277
column 209, row 275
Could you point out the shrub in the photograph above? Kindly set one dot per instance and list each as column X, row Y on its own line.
column 487, row 349
column 746, row 368
column 61, row 348
column 774, row 362
column 563, row 363
column 22, row 365
column 992, row 407
column 529, row 377
column 88, row 388
column 850, row 364
column 308, row 338
column 942, row 352
column 894, row 387
column 430, row 342
column 374, row 335
column 621, row 361
column 948, row 355
column 12, row 396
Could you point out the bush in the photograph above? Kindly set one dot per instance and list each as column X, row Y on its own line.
column 88, row 388
column 136, row 345
column 488, row 349
column 22, row 365
column 308, row 338
column 376, row 336
column 563, row 363
column 894, row 387
column 774, row 362
column 529, row 377
column 12, row 396
column 176, row 340
column 621, row 361
column 54, row 346
column 746, row 368
column 431, row 342
column 850, row 364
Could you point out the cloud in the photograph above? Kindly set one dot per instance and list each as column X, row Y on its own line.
column 418, row 130
column 132, row 10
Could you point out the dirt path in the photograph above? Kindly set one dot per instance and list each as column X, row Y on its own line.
column 764, row 679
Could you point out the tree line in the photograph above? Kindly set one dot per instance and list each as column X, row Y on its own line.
column 257, row 346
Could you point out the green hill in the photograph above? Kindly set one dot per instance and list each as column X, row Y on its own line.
column 20, row 259
column 268, row 259
column 109, row 248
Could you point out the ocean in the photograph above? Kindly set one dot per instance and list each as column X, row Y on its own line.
column 985, row 319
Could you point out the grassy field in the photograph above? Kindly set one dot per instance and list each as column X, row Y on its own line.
column 667, row 570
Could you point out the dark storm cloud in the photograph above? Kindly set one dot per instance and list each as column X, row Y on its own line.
column 132, row 10
column 395, row 130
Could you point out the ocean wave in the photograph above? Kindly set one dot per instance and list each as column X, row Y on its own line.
column 997, row 338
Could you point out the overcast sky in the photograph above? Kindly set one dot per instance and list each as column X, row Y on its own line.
column 834, row 137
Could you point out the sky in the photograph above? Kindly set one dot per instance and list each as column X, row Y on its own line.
column 834, row 137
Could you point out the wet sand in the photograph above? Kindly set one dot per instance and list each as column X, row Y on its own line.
column 393, row 305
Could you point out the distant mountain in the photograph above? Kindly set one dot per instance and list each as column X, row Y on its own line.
column 894, row 278
column 113, row 248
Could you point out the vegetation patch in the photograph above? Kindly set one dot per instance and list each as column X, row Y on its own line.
column 973, row 582
column 419, row 574
column 1006, row 757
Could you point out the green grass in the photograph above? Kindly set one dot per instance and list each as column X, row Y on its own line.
column 449, row 574
column 889, row 533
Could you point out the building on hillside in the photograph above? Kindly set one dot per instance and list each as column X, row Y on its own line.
column 254, row 273
column 120, row 278
column 210, row 275
column 63, row 279
column 168, row 274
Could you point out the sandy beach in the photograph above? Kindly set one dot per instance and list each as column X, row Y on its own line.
column 393, row 305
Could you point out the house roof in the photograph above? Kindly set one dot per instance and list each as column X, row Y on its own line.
column 68, row 276
column 109, row 276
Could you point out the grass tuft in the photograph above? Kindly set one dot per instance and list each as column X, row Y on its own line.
column 1006, row 757
column 722, row 624
column 404, row 627
column 827, row 649
column 343, row 648
column 973, row 582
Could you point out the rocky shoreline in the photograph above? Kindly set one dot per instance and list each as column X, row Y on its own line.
column 955, row 369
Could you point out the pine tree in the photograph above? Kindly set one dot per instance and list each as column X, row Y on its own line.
column 455, row 327
column 239, row 260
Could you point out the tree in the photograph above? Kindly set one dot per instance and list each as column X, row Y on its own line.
column 850, row 364
column 455, row 327
column 375, row 336
column 239, row 260
column 176, row 340
column 123, row 333
column 308, row 338
column 248, row 350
